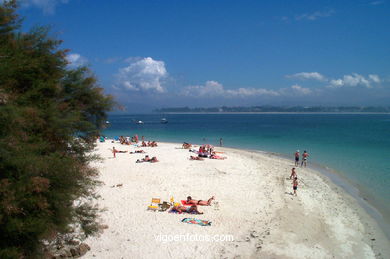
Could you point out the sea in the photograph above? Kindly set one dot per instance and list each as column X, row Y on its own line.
column 351, row 149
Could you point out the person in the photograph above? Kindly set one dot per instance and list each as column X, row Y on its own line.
column 200, row 202
column 214, row 156
column 295, row 185
column 293, row 173
column 196, row 158
column 305, row 155
column 220, row 142
column 297, row 158
column 114, row 151
column 192, row 209
column 137, row 152
column 186, row 145
column 147, row 159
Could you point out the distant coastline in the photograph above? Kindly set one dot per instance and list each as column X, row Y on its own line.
column 273, row 112
column 277, row 110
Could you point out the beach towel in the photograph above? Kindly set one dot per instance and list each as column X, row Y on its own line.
column 196, row 221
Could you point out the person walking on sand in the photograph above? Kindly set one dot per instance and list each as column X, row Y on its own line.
column 293, row 173
column 295, row 185
column 304, row 158
column 296, row 158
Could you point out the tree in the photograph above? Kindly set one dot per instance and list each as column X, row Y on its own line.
column 50, row 116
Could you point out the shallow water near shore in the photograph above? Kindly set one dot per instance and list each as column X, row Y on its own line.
column 356, row 146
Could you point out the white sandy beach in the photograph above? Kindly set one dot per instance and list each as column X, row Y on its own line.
column 253, row 204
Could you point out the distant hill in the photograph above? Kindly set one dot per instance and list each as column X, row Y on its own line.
column 293, row 109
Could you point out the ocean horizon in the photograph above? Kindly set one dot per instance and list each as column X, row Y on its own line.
column 355, row 147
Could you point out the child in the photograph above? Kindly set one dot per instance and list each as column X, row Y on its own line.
column 293, row 173
column 295, row 185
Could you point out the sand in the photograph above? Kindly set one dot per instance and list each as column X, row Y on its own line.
column 253, row 205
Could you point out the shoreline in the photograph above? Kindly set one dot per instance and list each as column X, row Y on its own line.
column 338, row 180
column 343, row 182
column 322, row 221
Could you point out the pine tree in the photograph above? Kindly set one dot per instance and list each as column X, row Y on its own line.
column 50, row 116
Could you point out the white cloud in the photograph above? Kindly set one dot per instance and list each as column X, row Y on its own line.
column 247, row 92
column 301, row 90
column 76, row 60
column 355, row 80
column 308, row 75
column 144, row 74
column 215, row 89
column 48, row 6
column 295, row 90
column 374, row 78
column 210, row 88
column 315, row 15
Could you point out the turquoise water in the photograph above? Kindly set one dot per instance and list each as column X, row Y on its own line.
column 356, row 146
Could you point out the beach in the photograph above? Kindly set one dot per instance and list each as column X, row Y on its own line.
column 254, row 214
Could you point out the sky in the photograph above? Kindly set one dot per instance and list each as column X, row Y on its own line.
column 155, row 54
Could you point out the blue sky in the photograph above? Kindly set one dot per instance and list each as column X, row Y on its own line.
column 152, row 54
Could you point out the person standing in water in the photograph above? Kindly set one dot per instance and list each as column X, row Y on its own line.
column 220, row 142
column 296, row 158
column 305, row 155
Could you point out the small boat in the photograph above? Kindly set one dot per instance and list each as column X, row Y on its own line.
column 164, row 121
column 139, row 122
column 107, row 122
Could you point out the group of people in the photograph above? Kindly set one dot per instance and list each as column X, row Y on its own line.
column 305, row 155
column 205, row 151
column 149, row 144
column 128, row 140
column 192, row 205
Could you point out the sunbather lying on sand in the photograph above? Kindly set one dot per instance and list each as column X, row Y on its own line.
column 200, row 202
column 192, row 209
column 137, row 151
column 114, row 151
column 147, row 159
column 213, row 156
column 195, row 158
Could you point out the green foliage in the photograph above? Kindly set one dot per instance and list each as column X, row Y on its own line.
column 50, row 116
